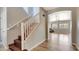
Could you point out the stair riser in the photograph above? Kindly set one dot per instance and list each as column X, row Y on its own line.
column 17, row 44
column 19, row 38
column 11, row 49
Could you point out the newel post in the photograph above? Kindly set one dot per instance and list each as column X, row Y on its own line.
column 22, row 36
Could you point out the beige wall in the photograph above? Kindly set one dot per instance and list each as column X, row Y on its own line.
column 14, row 15
column 74, row 18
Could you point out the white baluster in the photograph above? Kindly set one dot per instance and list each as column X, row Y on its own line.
column 29, row 26
column 25, row 29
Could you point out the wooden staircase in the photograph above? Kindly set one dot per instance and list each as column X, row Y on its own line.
column 16, row 46
column 27, row 29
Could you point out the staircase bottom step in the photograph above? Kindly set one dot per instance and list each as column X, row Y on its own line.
column 12, row 47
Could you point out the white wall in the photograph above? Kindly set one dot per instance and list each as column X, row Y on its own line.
column 38, row 36
column 14, row 15
column 4, row 27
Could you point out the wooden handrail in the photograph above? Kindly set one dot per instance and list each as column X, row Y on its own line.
column 18, row 23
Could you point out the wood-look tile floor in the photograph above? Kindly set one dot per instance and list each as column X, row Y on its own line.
column 60, row 43
column 42, row 47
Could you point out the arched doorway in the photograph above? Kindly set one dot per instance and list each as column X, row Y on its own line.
column 59, row 30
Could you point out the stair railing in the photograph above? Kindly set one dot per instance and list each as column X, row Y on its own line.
column 27, row 28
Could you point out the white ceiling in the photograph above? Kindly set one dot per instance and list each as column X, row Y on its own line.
column 49, row 8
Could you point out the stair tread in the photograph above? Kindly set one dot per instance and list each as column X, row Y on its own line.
column 14, row 48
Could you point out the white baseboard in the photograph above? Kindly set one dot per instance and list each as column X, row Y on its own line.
column 36, row 45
